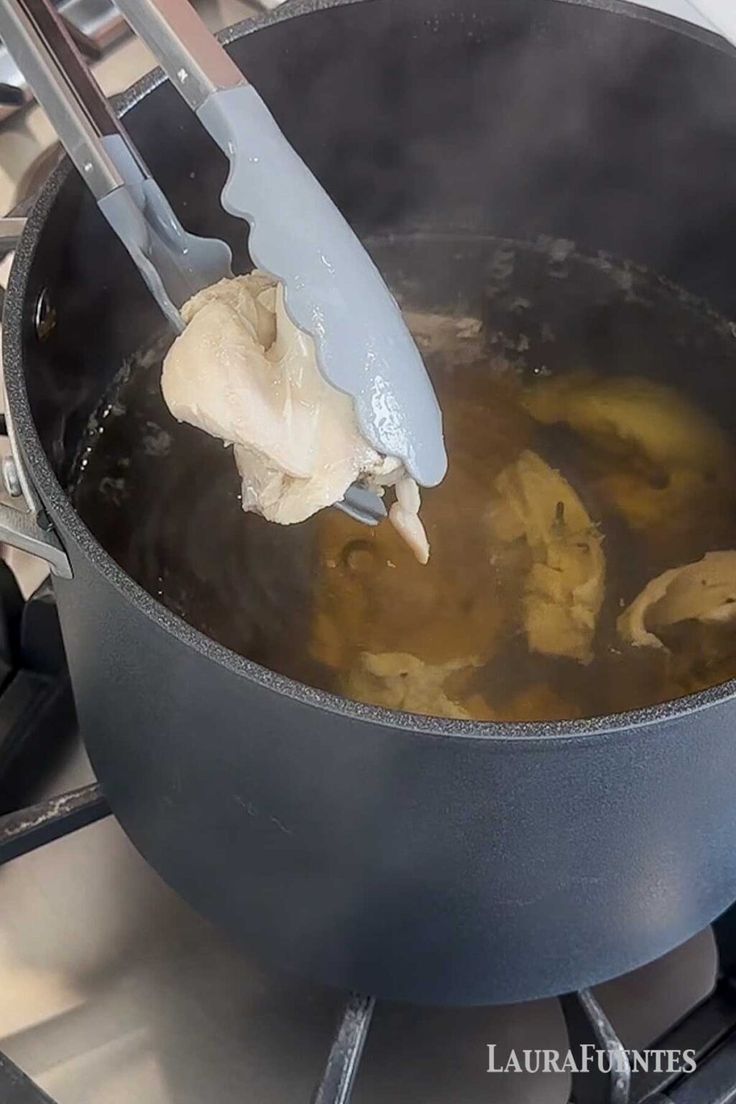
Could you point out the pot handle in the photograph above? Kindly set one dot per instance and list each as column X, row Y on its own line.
column 29, row 531
column 23, row 531
column 11, row 229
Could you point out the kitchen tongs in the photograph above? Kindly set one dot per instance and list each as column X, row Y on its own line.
column 174, row 263
column 332, row 289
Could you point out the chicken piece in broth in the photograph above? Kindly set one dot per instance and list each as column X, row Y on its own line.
column 657, row 460
column 397, row 680
column 243, row 372
column 632, row 416
column 703, row 591
column 564, row 586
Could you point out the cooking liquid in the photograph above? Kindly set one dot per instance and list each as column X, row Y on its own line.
column 494, row 319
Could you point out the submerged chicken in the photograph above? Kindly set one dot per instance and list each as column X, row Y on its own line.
column 243, row 372
column 629, row 416
column 661, row 463
column 564, row 586
column 703, row 591
column 397, row 680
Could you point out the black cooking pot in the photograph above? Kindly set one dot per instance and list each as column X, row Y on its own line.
column 422, row 859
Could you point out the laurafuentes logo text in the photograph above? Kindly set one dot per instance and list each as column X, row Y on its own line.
column 589, row 1058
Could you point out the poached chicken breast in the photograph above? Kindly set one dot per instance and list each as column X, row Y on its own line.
column 243, row 372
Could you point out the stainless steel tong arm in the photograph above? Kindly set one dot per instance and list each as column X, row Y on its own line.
column 174, row 263
column 189, row 55
column 332, row 289
column 61, row 82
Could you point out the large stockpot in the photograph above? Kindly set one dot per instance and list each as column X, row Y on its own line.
column 419, row 859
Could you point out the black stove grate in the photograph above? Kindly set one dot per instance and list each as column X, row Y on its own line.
column 30, row 828
column 336, row 1086
column 16, row 1088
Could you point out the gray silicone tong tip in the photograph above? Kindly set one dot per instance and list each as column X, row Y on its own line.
column 363, row 505
column 174, row 263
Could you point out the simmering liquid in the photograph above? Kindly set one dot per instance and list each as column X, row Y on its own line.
column 522, row 343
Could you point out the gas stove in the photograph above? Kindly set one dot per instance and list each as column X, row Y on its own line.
column 112, row 989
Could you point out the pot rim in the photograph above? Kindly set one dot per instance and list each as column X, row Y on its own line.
column 541, row 735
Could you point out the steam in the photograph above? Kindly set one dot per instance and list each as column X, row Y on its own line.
column 522, row 119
